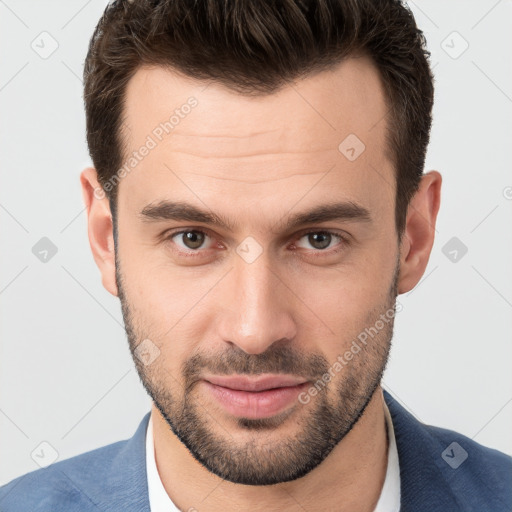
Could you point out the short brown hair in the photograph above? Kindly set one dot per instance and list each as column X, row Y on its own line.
column 256, row 47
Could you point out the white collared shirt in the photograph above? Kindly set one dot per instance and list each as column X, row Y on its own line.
column 389, row 500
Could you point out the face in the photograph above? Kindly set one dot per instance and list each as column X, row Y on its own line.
column 252, row 256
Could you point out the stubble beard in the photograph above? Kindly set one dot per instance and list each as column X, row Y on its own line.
column 266, row 458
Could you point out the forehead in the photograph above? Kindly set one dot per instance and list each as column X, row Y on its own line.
column 329, row 127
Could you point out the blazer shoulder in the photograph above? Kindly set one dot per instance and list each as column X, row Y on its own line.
column 111, row 478
column 60, row 486
column 487, row 465
column 481, row 477
column 441, row 469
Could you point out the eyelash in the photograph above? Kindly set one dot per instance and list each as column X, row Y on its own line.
column 344, row 241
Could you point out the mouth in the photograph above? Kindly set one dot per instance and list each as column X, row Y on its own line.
column 255, row 397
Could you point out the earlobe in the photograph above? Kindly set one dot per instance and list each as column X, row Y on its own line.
column 419, row 234
column 99, row 228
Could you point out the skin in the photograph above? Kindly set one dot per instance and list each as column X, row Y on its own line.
column 256, row 161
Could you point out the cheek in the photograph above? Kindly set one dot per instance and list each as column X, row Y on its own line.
column 169, row 306
column 346, row 300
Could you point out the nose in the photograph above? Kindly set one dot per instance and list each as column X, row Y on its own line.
column 257, row 307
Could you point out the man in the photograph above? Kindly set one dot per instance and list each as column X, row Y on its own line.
column 257, row 204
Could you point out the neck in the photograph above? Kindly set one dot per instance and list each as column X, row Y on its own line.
column 349, row 479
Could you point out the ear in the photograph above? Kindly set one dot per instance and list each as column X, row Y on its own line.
column 100, row 228
column 419, row 232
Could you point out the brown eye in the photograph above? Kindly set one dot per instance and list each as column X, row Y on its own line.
column 319, row 240
column 191, row 239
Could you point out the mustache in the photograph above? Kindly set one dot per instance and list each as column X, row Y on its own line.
column 277, row 359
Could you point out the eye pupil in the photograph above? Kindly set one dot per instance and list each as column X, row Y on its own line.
column 193, row 239
column 319, row 240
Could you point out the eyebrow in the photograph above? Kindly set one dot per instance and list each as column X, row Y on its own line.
column 181, row 211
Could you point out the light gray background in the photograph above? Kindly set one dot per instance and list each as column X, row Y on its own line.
column 66, row 376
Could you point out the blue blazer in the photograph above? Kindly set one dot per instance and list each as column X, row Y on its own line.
column 440, row 471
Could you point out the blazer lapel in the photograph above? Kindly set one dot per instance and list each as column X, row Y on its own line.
column 422, row 484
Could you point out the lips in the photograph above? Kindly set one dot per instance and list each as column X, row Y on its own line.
column 260, row 383
column 255, row 397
